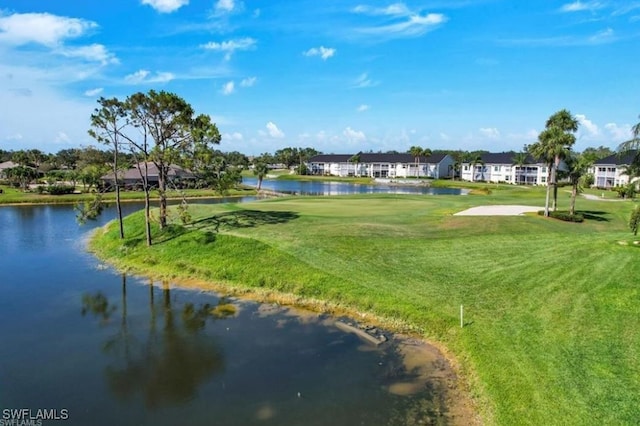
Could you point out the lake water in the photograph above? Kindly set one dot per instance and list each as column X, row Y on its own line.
column 344, row 188
column 113, row 349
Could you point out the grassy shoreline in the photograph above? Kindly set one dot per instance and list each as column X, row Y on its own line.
column 14, row 197
column 550, row 335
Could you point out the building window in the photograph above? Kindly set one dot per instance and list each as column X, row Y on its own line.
column 466, row 168
column 496, row 168
column 543, row 179
column 611, row 169
column 544, row 170
column 602, row 169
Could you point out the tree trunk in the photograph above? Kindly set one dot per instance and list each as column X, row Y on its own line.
column 115, row 179
column 546, row 201
column 574, row 193
column 259, row 183
column 147, row 215
column 119, row 209
column 162, row 187
column 555, row 183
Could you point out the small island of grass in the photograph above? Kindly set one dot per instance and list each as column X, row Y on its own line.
column 550, row 333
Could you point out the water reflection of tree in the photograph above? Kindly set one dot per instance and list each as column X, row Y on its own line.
column 174, row 359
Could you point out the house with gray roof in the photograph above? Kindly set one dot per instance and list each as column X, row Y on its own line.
column 611, row 171
column 501, row 167
column 131, row 177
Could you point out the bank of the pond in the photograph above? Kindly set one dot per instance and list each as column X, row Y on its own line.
column 14, row 197
column 549, row 335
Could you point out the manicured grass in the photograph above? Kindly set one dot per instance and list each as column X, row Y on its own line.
column 551, row 335
column 16, row 196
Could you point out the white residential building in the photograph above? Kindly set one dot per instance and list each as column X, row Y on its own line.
column 501, row 167
column 382, row 165
column 610, row 171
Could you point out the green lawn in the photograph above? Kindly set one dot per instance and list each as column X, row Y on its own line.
column 551, row 335
column 11, row 195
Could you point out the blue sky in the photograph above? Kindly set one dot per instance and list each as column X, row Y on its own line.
column 338, row 75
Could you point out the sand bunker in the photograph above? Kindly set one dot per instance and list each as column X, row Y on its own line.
column 498, row 210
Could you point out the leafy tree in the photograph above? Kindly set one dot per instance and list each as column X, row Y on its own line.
column 90, row 155
column 107, row 123
column 68, row 158
column 593, row 154
column 260, row 169
column 287, row 156
column 21, row 176
column 237, row 159
column 169, row 122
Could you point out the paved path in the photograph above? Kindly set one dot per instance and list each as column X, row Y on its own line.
column 505, row 210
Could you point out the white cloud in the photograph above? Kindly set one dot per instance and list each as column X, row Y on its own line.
column 489, row 132
column 228, row 88
column 363, row 108
column 14, row 137
column 619, row 133
column 397, row 20
column 395, row 9
column 230, row 46
column 588, row 125
column 93, row 92
column 232, row 137
column 603, row 36
column 41, row 28
column 363, row 81
column 324, row 52
column 145, row 77
column 62, row 137
column 166, row 6
column 273, row 130
column 248, row 82
column 354, row 136
column 228, row 6
column 444, row 136
column 92, row 52
column 579, row 6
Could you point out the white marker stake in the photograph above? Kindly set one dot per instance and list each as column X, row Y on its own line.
column 461, row 316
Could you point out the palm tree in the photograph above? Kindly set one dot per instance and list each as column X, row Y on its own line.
column 474, row 161
column 355, row 159
column 426, row 153
column 416, row 152
column 519, row 160
column 578, row 166
column 260, row 169
column 568, row 124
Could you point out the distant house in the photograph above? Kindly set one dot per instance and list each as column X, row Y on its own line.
column 131, row 178
column 501, row 167
column 381, row 165
column 6, row 165
column 610, row 171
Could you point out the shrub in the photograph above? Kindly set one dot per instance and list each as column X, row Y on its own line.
column 564, row 215
column 60, row 189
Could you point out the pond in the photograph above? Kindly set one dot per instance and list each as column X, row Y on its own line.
column 115, row 349
column 298, row 187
